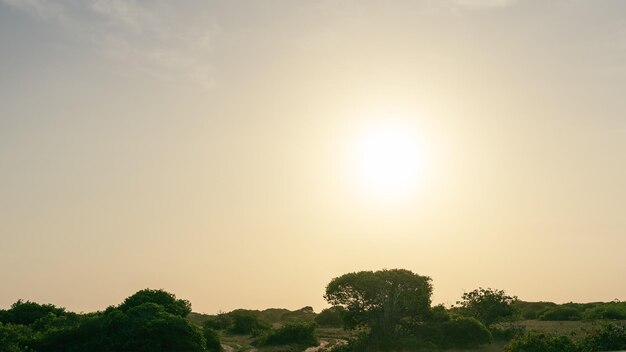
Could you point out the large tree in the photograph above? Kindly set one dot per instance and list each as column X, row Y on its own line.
column 380, row 300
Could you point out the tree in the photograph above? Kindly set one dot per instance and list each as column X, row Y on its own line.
column 27, row 313
column 380, row 300
column 14, row 338
column 488, row 306
column 150, row 320
column 162, row 298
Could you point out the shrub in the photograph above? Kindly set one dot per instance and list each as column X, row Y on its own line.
column 27, row 313
column 14, row 338
column 221, row 321
column 540, row 342
column 465, row 333
column 167, row 300
column 296, row 333
column 605, row 312
column 609, row 337
column 212, row 340
column 561, row 313
column 245, row 323
column 532, row 310
column 330, row 317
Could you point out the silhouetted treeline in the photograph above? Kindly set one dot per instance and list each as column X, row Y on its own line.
column 149, row 320
column 385, row 310
column 614, row 310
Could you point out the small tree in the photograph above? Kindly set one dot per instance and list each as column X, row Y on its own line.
column 488, row 306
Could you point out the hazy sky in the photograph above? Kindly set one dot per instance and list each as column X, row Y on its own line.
column 207, row 148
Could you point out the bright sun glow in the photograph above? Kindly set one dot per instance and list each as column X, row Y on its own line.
column 390, row 160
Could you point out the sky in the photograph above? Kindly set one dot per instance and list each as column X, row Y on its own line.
column 241, row 154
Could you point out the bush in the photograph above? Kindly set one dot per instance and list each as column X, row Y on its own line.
column 331, row 317
column 561, row 313
column 144, row 327
column 506, row 333
column 465, row 333
column 532, row 310
column 14, row 338
column 489, row 306
column 605, row 312
column 212, row 340
column 296, row 333
column 539, row 342
column 27, row 313
column 609, row 337
column 245, row 323
column 162, row 298
column 221, row 321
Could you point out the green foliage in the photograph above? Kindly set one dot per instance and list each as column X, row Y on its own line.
column 438, row 314
column 609, row 337
column 212, row 340
column 252, row 320
column 465, row 333
column 139, row 325
column 532, row 310
column 488, row 306
column 162, row 298
column 153, row 328
column 561, row 313
column 506, row 332
column 540, row 342
column 245, row 323
column 549, row 311
column 14, row 338
column 380, row 300
column 606, row 311
column 331, row 317
column 304, row 314
column 27, row 313
column 221, row 321
column 296, row 333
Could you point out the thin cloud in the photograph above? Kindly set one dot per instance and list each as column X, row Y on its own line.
column 147, row 37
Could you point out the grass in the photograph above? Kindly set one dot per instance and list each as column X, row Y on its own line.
column 574, row 329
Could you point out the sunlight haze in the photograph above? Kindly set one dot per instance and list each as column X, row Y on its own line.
column 241, row 154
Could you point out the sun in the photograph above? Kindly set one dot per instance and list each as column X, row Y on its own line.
column 389, row 160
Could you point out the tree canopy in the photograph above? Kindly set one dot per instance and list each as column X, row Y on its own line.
column 487, row 305
column 381, row 299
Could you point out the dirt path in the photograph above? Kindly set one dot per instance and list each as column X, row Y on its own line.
column 228, row 348
column 323, row 344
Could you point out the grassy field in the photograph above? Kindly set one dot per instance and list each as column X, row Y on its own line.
column 574, row 329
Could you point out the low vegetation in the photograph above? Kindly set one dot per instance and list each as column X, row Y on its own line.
column 387, row 310
column 300, row 334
